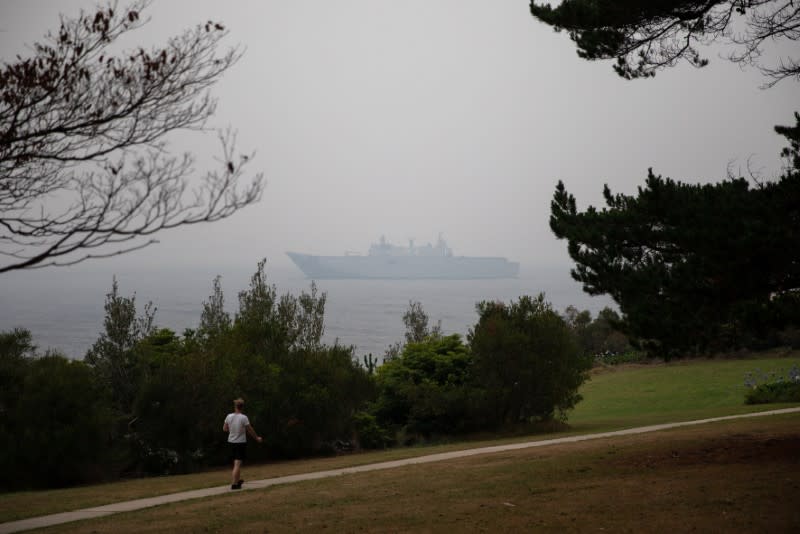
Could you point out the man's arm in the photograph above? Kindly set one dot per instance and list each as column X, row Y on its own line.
column 225, row 427
column 252, row 432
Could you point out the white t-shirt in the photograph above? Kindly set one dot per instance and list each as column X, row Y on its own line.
column 237, row 427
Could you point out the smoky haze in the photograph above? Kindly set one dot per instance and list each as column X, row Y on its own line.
column 410, row 119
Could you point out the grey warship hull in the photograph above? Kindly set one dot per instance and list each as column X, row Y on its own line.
column 404, row 267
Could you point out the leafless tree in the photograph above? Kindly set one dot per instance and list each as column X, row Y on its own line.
column 85, row 166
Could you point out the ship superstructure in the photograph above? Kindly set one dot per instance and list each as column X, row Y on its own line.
column 388, row 261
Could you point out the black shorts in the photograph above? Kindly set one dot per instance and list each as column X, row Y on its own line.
column 238, row 451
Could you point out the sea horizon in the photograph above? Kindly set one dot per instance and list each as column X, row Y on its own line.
column 63, row 307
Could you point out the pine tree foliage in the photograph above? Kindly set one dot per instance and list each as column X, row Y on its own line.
column 692, row 266
column 645, row 36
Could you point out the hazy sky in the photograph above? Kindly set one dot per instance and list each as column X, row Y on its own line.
column 412, row 118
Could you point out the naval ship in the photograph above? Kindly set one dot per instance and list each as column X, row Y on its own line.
column 388, row 261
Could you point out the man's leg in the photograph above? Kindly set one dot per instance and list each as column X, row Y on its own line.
column 237, row 469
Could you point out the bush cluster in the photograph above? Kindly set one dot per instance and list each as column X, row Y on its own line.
column 602, row 337
column 520, row 364
column 148, row 401
column 52, row 417
column 766, row 388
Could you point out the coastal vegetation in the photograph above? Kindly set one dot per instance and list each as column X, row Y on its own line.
column 148, row 401
column 151, row 399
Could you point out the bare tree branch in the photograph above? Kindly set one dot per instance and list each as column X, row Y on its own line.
column 84, row 160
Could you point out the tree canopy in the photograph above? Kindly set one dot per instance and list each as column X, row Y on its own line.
column 692, row 266
column 526, row 361
column 645, row 36
column 85, row 166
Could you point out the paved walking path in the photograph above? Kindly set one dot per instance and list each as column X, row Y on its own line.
column 138, row 504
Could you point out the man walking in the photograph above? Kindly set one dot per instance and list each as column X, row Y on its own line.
column 237, row 425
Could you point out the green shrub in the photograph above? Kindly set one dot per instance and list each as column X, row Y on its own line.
column 783, row 391
column 423, row 391
column 55, row 431
column 370, row 434
column 527, row 362
column 764, row 388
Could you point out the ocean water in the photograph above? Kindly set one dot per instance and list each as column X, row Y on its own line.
column 63, row 307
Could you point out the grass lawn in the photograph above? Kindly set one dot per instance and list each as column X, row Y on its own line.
column 627, row 396
column 613, row 399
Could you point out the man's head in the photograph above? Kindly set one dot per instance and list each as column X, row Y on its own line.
column 239, row 404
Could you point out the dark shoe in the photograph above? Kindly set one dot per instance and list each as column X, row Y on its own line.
column 236, row 486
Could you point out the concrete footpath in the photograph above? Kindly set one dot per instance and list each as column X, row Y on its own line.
column 139, row 504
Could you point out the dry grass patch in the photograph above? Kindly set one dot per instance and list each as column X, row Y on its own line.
column 741, row 475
